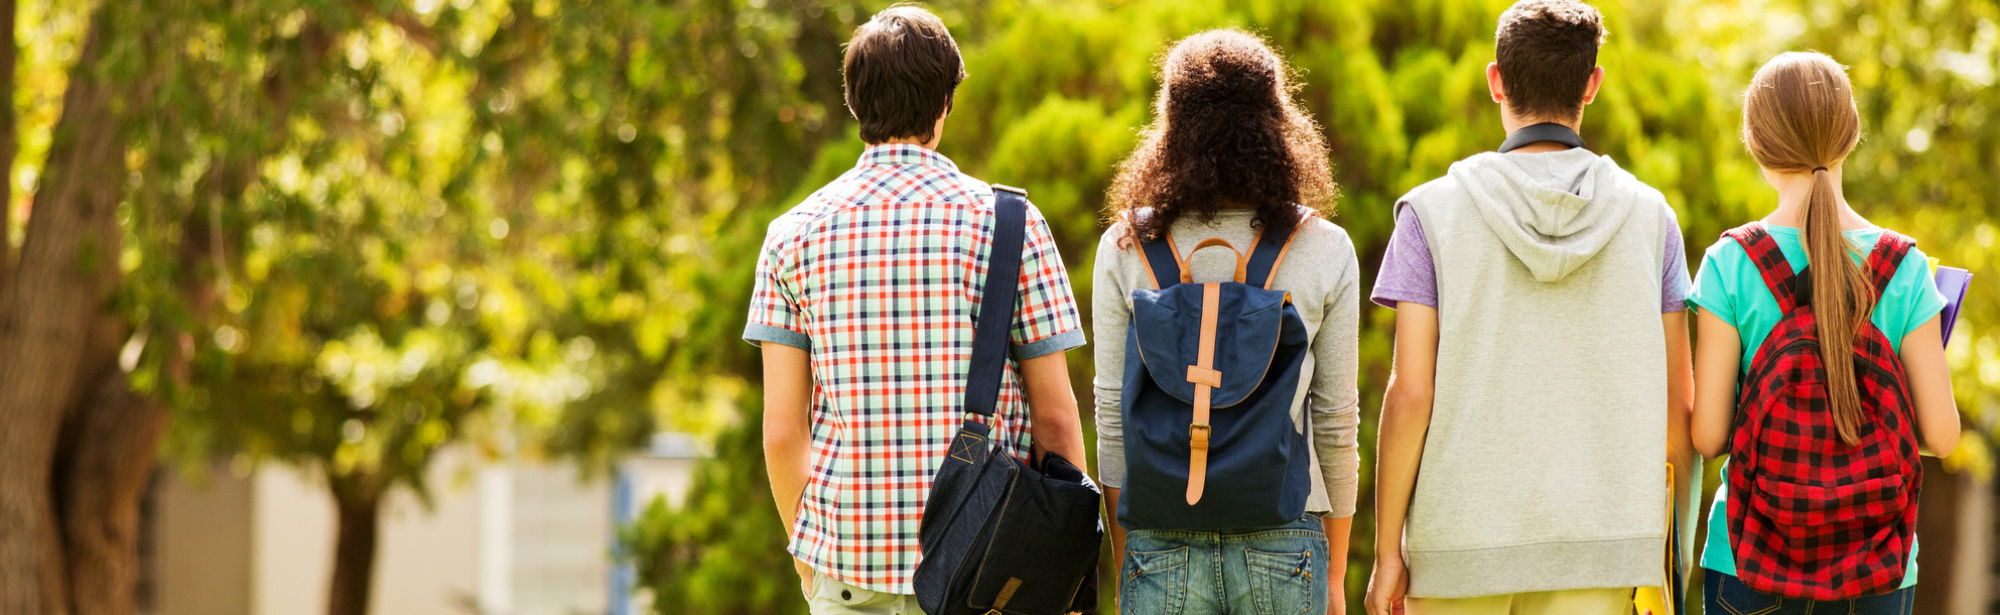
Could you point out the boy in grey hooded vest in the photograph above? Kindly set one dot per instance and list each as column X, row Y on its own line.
column 1541, row 355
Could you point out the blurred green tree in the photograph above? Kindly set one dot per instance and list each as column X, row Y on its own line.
column 347, row 237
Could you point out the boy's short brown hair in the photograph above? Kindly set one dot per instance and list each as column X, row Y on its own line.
column 899, row 73
column 1547, row 50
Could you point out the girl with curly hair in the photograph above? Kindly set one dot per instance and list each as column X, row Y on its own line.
column 1230, row 155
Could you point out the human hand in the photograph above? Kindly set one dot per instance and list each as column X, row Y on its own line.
column 1336, row 592
column 1387, row 586
column 805, row 576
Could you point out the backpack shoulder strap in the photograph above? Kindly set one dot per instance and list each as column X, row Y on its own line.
column 1770, row 261
column 996, row 301
column 1163, row 260
column 1887, row 258
column 1267, row 252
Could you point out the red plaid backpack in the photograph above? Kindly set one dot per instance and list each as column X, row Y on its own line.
column 1810, row 516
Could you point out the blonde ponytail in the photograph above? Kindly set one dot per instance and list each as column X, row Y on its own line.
column 1842, row 298
column 1799, row 116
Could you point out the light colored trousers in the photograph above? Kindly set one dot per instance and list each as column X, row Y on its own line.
column 831, row 597
column 1566, row 602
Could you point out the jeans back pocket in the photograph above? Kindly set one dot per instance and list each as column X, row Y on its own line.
column 1154, row 582
column 1737, row 598
column 1288, row 582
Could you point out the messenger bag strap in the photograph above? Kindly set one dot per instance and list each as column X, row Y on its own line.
column 991, row 335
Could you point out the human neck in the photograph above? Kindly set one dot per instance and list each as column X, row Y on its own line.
column 1793, row 191
column 919, row 142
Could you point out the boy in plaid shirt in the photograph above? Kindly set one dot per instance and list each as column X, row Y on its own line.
column 864, row 307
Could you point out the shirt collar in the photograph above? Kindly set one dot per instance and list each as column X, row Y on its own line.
column 904, row 154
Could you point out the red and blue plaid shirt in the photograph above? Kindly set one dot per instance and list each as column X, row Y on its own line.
column 878, row 275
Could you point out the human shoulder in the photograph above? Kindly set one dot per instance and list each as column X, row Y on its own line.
column 796, row 222
column 1321, row 235
column 955, row 187
column 1915, row 269
column 1112, row 252
column 1643, row 195
column 1431, row 192
column 1725, row 249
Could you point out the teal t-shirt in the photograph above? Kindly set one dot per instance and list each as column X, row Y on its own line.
column 1728, row 286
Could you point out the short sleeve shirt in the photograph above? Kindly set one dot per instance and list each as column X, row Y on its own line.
column 1729, row 286
column 879, row 276
column 1409, row 275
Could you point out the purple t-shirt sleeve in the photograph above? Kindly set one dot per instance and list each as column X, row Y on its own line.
column 1407, row 272
column 1674, row 283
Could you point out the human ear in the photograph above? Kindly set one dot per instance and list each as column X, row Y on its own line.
column 1493, row 85
column 1596, row 80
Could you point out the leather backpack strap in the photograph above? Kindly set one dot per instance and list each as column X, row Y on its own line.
column 1187, row 271
column 1770, row 262
column 1205, row 380
column 991, row 335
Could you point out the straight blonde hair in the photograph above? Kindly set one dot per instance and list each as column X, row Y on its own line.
column 1799, row 117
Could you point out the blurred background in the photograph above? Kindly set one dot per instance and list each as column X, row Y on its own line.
column 432, row 306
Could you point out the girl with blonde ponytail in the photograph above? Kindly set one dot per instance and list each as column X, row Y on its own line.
column 1820, row 371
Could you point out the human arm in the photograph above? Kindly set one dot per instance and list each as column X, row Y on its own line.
column 1110, row 314
column 1406, row 417
column 1680, row 396
column 1052, row 406
column 1674, row 290
column 1338, row 530
column 1334, row 414
column 1718, row 360
column 1930, row 388
column 1117, row 538
column 1680, row 444
column 788, row 384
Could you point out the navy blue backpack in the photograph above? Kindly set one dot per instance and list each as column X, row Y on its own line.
column 1210, row 374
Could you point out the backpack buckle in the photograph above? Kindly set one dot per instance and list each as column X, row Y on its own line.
column 1198, row 436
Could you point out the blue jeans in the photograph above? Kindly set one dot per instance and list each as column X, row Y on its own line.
column 1276, row 571
column 1727, row 595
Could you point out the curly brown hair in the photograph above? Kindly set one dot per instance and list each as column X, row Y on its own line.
column 1226, row 133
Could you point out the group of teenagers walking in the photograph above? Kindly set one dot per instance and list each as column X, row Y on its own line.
column 1545, row 416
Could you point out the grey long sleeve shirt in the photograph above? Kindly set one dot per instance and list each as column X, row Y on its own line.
column 1323, row 277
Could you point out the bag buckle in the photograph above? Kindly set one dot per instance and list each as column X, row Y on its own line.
column 1006, row 595
column 1198, row 436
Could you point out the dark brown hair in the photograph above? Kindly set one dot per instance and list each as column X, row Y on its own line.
column 1225, row 133
column 899, row 74
column 1799, row 117
column 1547, row 50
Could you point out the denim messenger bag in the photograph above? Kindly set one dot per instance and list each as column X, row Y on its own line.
column 1000, row 537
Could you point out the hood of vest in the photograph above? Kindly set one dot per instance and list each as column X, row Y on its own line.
column 1554, row 211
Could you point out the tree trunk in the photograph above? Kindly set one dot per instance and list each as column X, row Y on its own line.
column 358, row 503
column 115, row 436
column 67, row 264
